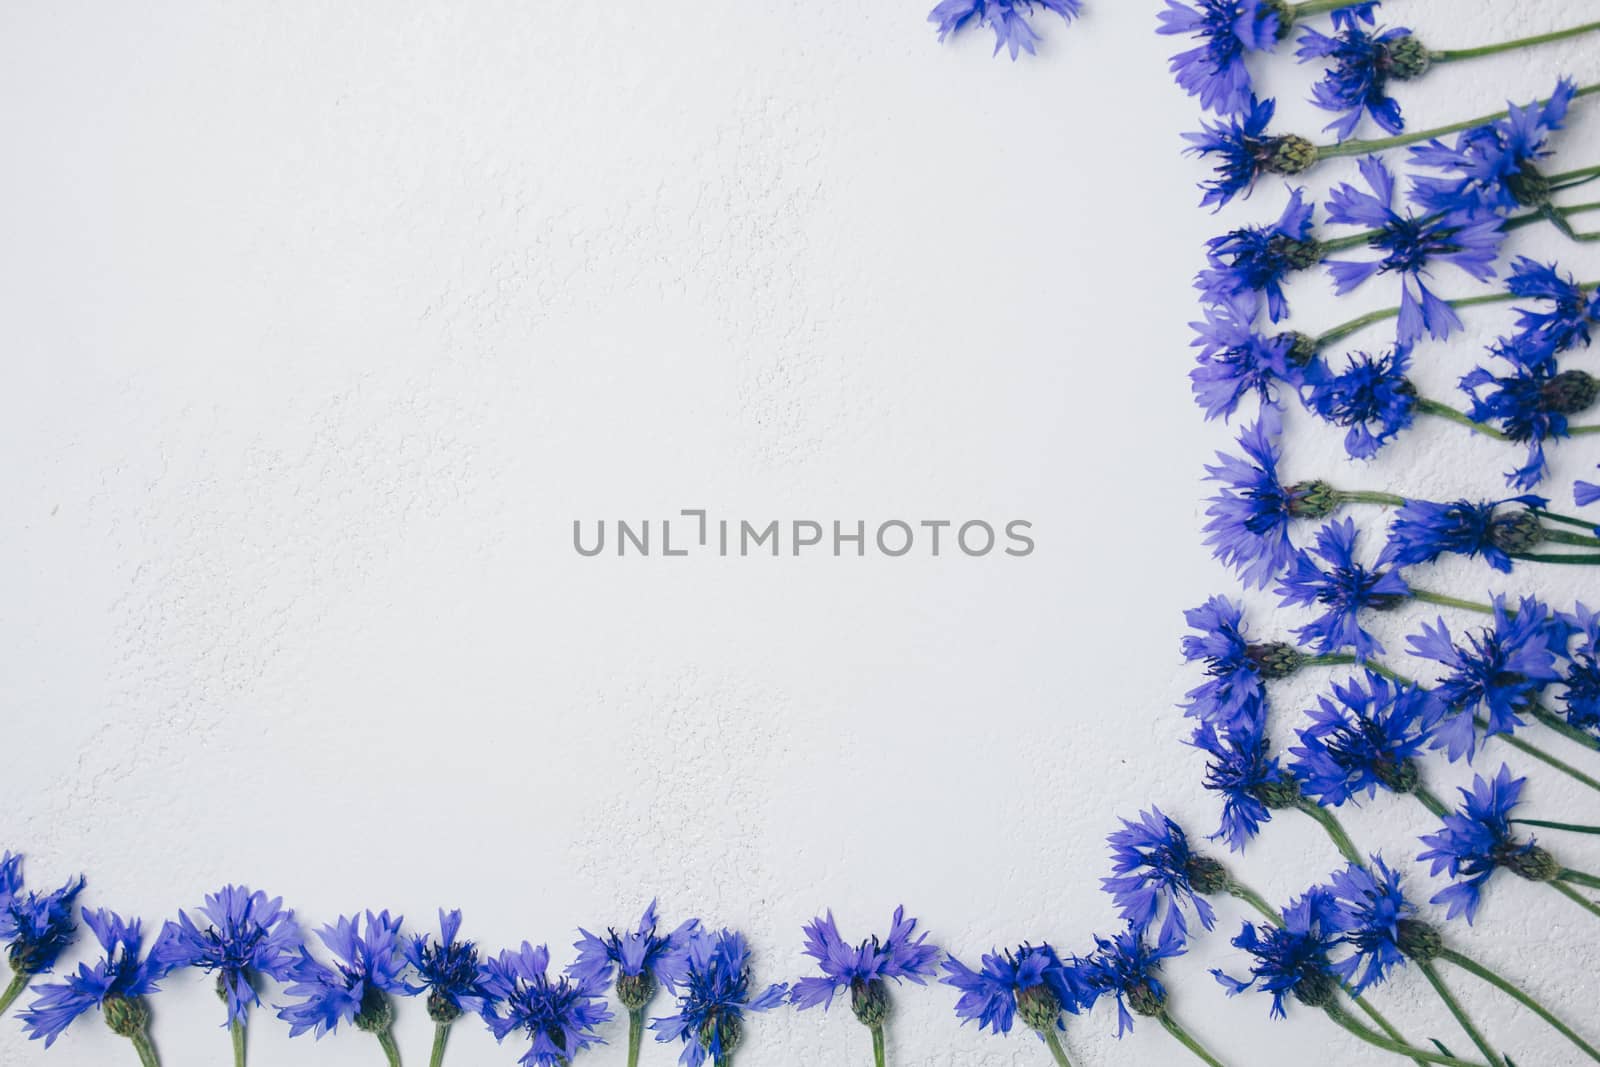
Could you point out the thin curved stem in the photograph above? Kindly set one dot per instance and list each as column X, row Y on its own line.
column 1563, row 727
column 1547, row 824
column 1425, row 797
column 1478, row 970
column 1338, row 1015
column 147, row 1051
column 237, row 1029
column 1567, row 537
column 441, row 1037
column 1542, row 756
column 1186, row 1039
column 1392, row 1031
column 1452, row 55
column 1361, row 322
column 1439, row 599
column 1570, row 520
column 1583, row 558
column 1576, row 897
column 879, row 1057
column 1578, row 878
column 1054, row 1044
column 390, row 1049
column 1308, row 8
column 1335, row 830
column 19, row 982
column 1432, row 975
column 1255, row 900
column 1369, row 147
column 1445, row 411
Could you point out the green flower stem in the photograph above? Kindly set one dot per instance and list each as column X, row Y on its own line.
column 237, row 1029
column 1383, row 1024
column 1369, row 147
column 1563, row 727
column 1550, row 824
column 1338, row 1015
column 1581, row 174
column 1335, row 830
column 1451, row 55
column 1361, row 322
column 147, row 1051
column 1431, row 973
column 1583, row 558
column 1478, row 970
column 1368, row 496
column 390, row 1049
column 441, row 1037
column 878, row 1056
column 1445, row 411
column 1054, row 1044
column 1569, row 520
column 635, row 1035
column 1254, row 899
column 1443, row 601
column 1425, row 797
column 19, row 982
column 1567, row 537
column 1578, row 878
column 1185, row 1039
column 1542, row 756
column 1576, row 897
column 1307, row 8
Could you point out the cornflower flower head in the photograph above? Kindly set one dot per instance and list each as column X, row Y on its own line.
column 1294, row 959
column 1156, row 872
column 1421, row 531
column 1235, row 361
column 1255, row 261
column 1007, row 18
column 448, row 971
column 1377, row 923
column 1468, row 238
column 1367, row 736
column 246, row 936
column 1371, row 398
column 1343, row 588
column 713, row 997
column 1226, row 31
column 1127, row 968
column 1476, row 840
column 1032, row 983
column 1580, row 680
column 37, row 928
column 117, row 984
column 558, row 1016
column 1494, row 167
column 369, row 965
column 1573, row 311
column 643, row 957
column 1532, row 403
column 1244, row 151
column 864, row 970
column 1248, row 778
column 1362, row 63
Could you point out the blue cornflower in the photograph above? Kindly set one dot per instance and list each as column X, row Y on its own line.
column 1247, row 523
column 1532, row 403
column 1127, row 968
column 1502, row 669
column 1585, row 493
column 1233, row 696
column 37, row 928
column 1342, row 588
column 1574, row 311
column 1494, row 167
column 1244, row 152
column 448, row 971
column 1227, row 30
column 1422, row 531
column 1469, row 238
column 559, row 1016
column 369, row 965
column 1365, row 737
column 714, row 994
column 246, row 935
column 1371, row 397
column 1154, row 869
column 1580, row 681
column 1031, row 981
column 117, row 984
column 642, row 958
column 1235, row 360
column 1363, row 64
column 861, row 971
column 10, row 877
column 1477, row 840
column 1293, row 959
column 1007, row 18
column 1373, row 918
column 1249, row 781
column 1255, row 260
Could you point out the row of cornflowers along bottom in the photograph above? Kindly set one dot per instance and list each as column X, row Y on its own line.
column 1526, row 674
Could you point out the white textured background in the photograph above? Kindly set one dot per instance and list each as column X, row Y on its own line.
column 322, row 321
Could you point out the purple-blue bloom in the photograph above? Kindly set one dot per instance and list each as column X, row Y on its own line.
column 369, row 964
column 117, row 983
column 1371, row 397
column 1532, row 403
column 1293, row 959
column 1370, row 912
column 1249, row 781
column 1574, row 310
column 1247, row 524
column 1367, row 736
column 1007, row 18
column 1244, row 152
column 1494, row 167
column 861, row 970
column 448, row 971
column 37, row 928
column 1233, row 696
column 1226, row 30
column 1235, row 360
column 642, row 957
column 557, row 1016
column 1343, row 588
column 1363, row 62
column 1127, row 968
column 1154, row 871
column 714, row 994
column 1580, row 680
column 1469, row 238
column 1422, row 531
column 1502, row 669
column 1477, row 840
column 1255, row 260
column 1031, row 981
column 246, row 936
